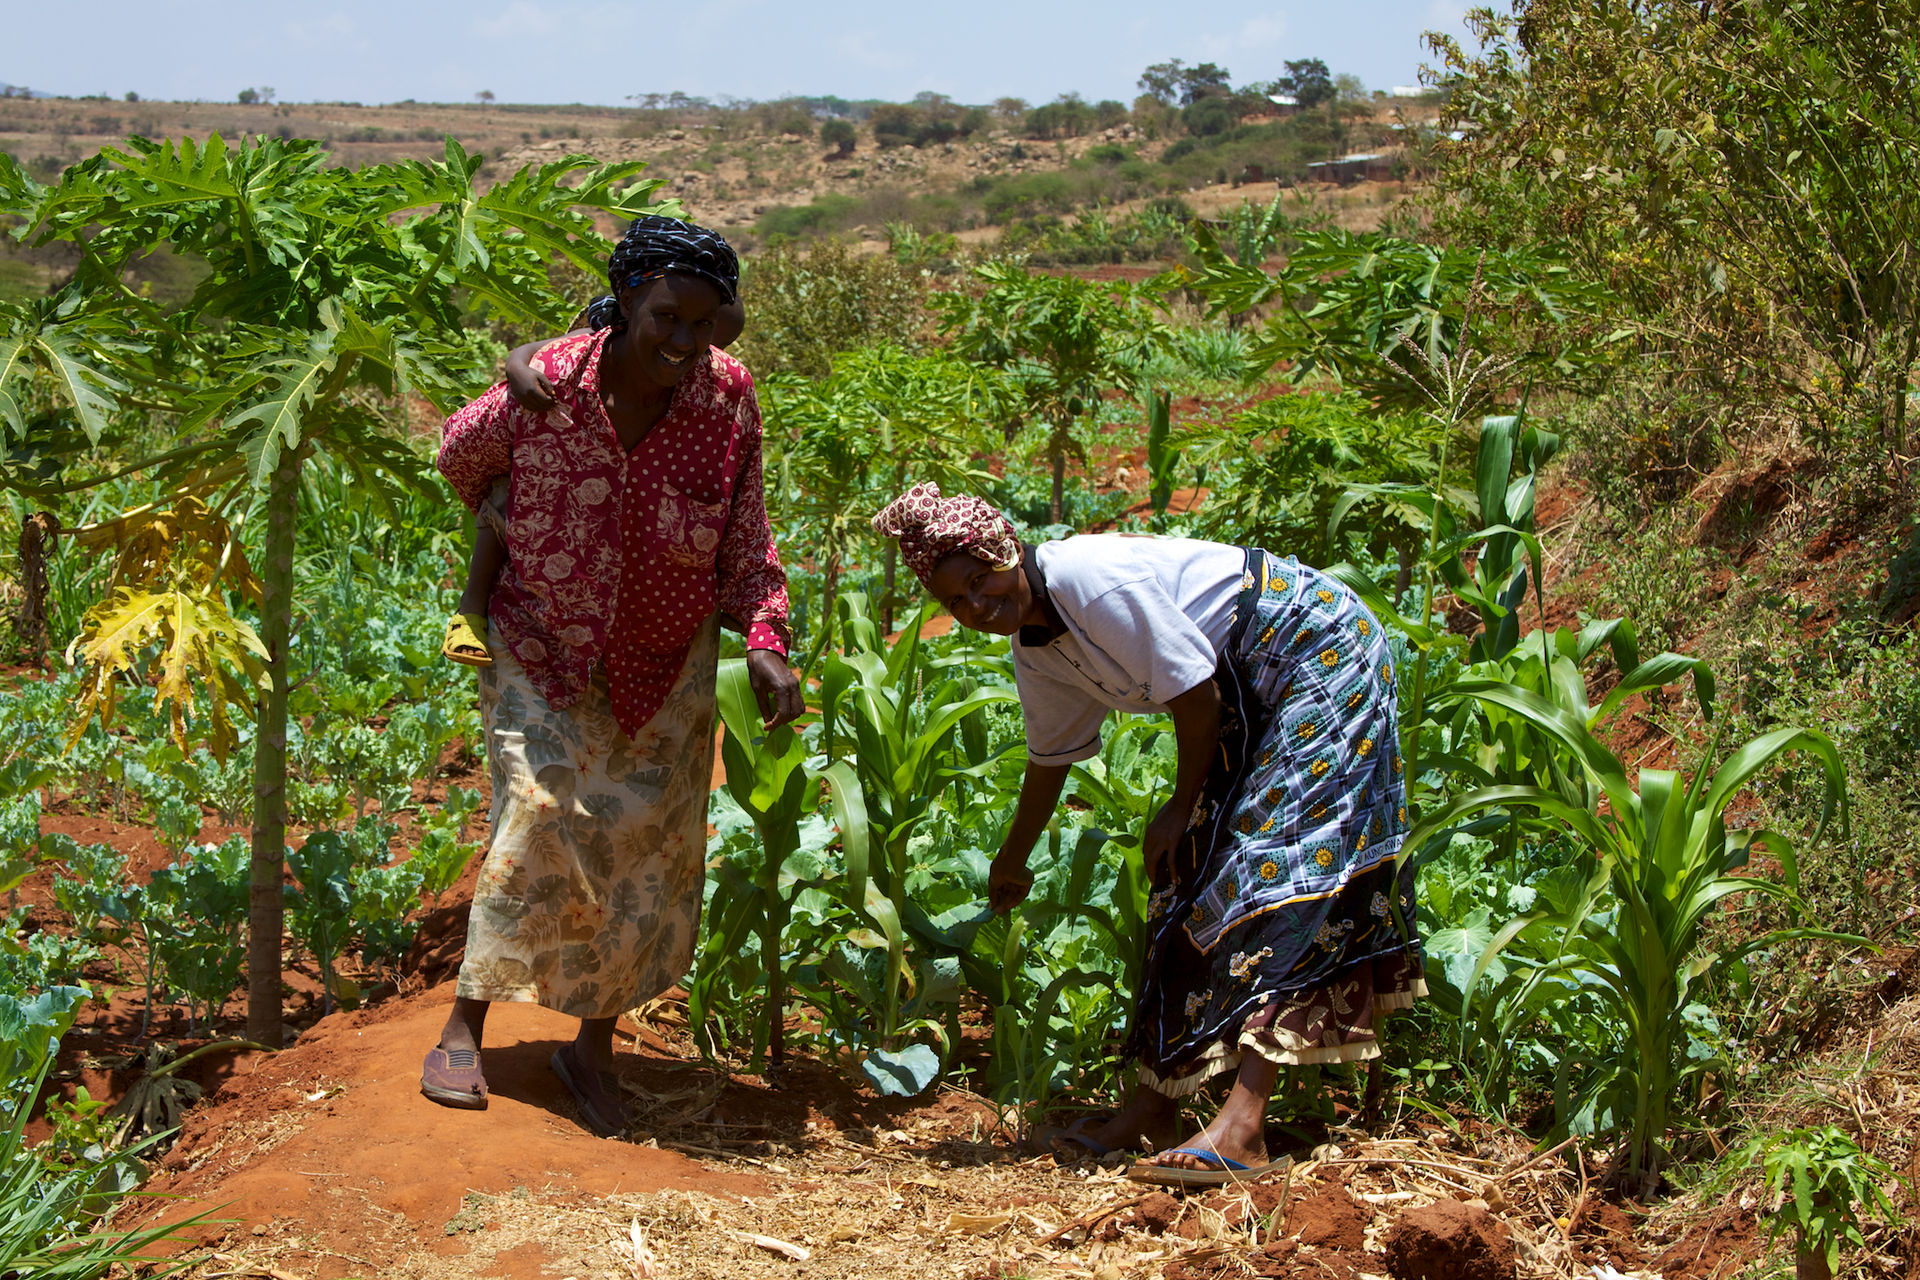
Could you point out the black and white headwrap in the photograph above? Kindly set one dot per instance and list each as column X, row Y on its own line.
column 656, row 246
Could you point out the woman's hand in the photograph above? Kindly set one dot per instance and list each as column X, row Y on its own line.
column 775, row 688
column 1008, row 882
column 1162, row 837
column 525, row 382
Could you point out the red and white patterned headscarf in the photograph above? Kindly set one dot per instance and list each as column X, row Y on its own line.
column 931, row 528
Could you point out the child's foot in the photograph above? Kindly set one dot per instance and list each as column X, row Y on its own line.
column 1148, row 1121
column 466, row 641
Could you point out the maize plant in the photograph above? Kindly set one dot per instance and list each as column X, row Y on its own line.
column 1633, row 934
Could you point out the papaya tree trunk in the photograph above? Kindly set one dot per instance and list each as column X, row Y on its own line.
column 37, row 534
column 266, row 903
column 1810, row 1264
column 829, row 596
column 887, row 586
column 1058, row 506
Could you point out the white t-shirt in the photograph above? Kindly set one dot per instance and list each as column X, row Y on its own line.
column 1146, row 621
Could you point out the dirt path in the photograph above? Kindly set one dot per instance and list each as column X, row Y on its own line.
column 329, row 1154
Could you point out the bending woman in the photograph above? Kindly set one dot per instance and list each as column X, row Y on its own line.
column 635, row 523
column 1277, row 928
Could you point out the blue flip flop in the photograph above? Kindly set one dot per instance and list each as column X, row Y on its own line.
column 1223, row 1170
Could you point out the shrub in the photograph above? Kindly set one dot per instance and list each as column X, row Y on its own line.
column 824, row 213
column 893, row 124
column 840, row 135
column 805, row 304
column 1208, row 117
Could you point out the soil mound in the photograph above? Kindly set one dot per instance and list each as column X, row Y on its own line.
column 1330, row 1219
column 1448, row 1240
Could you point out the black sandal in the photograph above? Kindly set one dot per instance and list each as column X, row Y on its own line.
column 576, row 1077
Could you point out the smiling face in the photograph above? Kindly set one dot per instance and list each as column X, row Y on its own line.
column 983, row 598
column 669, row 322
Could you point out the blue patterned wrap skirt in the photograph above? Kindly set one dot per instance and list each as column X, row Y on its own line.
column 1273, row 926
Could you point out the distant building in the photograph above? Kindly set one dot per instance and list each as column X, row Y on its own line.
column 1287, row 102
column 1355, row 167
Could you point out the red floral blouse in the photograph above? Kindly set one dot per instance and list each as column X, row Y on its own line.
column 621, row 556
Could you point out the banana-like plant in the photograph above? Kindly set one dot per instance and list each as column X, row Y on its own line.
column 770, row 777
column 1635, row 933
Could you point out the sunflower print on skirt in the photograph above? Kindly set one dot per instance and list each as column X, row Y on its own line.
column 1282, row 896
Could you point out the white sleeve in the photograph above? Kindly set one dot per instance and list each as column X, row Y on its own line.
column 1141, row 627
column 1062, row 722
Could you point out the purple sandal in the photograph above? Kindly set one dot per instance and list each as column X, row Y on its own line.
column 451, row 1077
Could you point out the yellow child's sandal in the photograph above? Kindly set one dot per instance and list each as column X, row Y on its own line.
column 466, row 641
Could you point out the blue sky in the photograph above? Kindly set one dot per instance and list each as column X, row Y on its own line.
column 599, row 51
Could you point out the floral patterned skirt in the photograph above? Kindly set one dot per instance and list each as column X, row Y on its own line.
column 1281, row 925
column 589, row 898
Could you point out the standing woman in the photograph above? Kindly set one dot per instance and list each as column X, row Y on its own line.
column 636, row 523
column 1278, row 927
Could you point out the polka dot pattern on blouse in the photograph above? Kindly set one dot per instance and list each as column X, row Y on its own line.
column 618, row 557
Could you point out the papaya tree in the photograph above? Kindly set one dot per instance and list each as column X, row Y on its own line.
column 1061, row 340
column 844, row 445
column 328, row 292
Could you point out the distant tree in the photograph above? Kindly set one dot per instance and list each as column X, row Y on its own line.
column 840, row 135
column 976, row 120
column 1349, row 88
column 1076, row 117
column 1108, row 113
column 937, row 106
column 248, row 97
column 1012, row 110
column 1308, row 80
column 485, row 95
column 1208, row 80
column 1208, row 117
column 132, row 96
column 893, row 124
column 1151, row 116
column 1162, row 81
column 1044, row 121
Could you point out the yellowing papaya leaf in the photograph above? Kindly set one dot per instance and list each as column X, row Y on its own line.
column 198, row 640
column 152, row 543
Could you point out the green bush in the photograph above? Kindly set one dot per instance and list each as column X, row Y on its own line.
column 824, row 213
column 840, row 135
column 893, row 125
column 806, row 303
column 1208, row 117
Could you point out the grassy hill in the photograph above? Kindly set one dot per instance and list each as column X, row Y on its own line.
column 760, row 175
